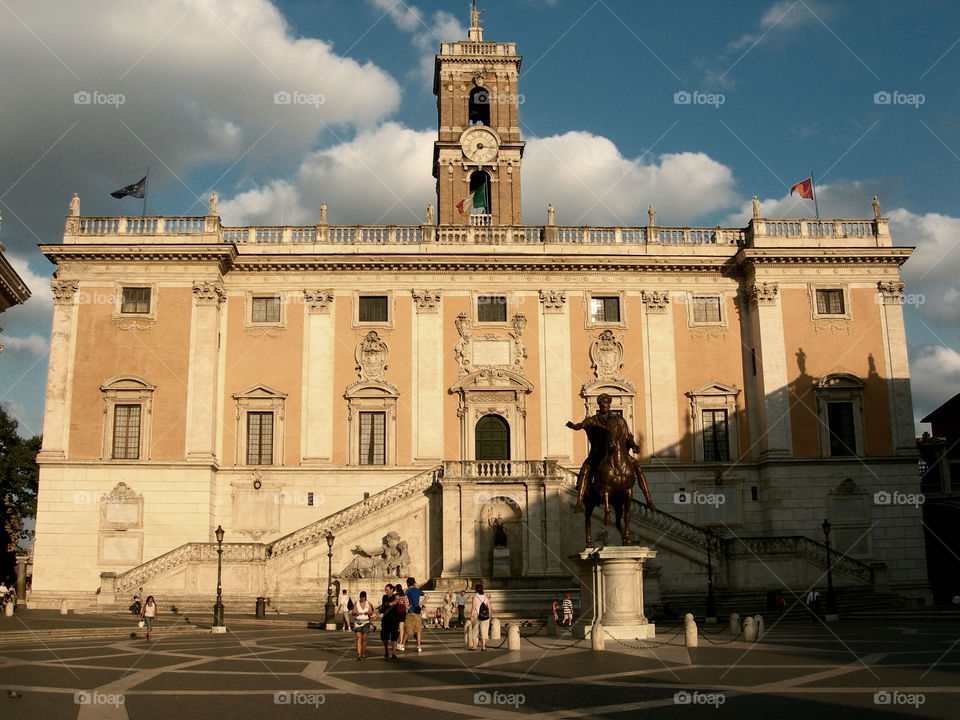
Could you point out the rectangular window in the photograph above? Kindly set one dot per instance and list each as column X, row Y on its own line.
column 830, row 302
column 843, row 440
column 373, row 438
column 706, row 309
column 310, row 499
column 605, row 309
column 136, row 300
column 126, row 432
column 266, row 310
column 373, row 308
column 716, row 448
column 259, row 438
column 492, row 308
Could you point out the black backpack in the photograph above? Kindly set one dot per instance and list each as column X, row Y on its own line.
column 484, row 612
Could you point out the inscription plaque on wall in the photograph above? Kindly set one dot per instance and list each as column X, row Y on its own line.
column 491, row 352
column 126, row 513
column 120, row 550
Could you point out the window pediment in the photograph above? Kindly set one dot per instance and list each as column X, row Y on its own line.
column 839, row 381
column 492, row 379
column 371, row 389
column 259, row 391
column 714, row 389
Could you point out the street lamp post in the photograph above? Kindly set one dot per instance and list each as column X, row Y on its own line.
column 831, row 599
column 711, row 600
column 329, row 611
column 218, row 626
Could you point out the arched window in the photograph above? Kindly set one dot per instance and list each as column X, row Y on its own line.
column 479, row 106
column 492, row 438
column 480, row 193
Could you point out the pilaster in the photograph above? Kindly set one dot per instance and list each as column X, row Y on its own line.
column 555, row 371
column 660, row 375
column 56, row 414
column 898, row 369
column 318, row 347
column 775, row 437
column 426, row 428
column 201, row 429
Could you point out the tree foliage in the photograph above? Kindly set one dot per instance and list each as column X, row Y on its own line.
column 18, row 488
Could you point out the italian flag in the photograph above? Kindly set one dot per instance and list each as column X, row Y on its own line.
column 479, row 198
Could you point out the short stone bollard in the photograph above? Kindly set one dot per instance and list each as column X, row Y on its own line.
column 551, row 626
column 690, row 630
column 495, row 629
column 63, row 607
column 8, row 610
column 596, row 636
column 735, row 624
column 750, row 630
column 513, row 636
column 469, row 634
column 758, row 619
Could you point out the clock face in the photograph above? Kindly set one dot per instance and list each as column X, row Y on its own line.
column 479, row 144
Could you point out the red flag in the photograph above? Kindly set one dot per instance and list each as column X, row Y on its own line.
column 804, row 188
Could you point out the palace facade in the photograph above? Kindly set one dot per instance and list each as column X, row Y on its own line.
column 310, row 389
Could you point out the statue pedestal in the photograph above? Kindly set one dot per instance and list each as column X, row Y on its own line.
column 613, row 596
column 501, row 562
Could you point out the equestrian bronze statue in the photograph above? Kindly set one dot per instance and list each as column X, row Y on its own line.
column 607, row 475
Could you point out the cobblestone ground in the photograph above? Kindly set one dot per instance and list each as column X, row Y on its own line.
column 89, row 667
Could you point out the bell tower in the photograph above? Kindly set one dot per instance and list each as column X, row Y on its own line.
column 476, row 158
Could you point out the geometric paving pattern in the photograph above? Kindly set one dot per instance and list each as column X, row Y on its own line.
column 800, row 669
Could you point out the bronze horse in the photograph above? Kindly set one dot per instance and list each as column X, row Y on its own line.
column 609, row 472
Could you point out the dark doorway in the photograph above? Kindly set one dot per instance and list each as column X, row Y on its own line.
column 492, row 438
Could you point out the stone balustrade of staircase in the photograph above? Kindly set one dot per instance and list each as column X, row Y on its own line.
column 196, row 552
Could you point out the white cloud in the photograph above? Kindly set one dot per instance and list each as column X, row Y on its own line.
column 198, row 83
column 427, row 33
column 381, row 176
column 32, row 344
column 590, row 182
column 384, row 176
column 934, row 377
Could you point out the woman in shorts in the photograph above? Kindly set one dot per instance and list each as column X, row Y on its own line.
column 362, row 616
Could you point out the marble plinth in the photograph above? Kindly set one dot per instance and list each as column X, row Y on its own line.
column 613, row 595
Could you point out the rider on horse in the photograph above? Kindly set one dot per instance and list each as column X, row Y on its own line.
column 599, row 427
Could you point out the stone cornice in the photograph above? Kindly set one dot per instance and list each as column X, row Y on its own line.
column 223, row 254
column 821, row 256
column 477, row 263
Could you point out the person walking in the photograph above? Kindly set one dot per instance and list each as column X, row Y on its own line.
column 416, row 599
column 148, row 614
column 480, row 612
column 401, row 617
column 344, row 604
column 447, row 609
column 363, row 615
column 553, row 609
column 567, row 610
column 461, row 603
column 389, row 622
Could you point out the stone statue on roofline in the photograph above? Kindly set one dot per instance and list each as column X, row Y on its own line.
column 75, row 205
column 213, row 203
column 756, row 208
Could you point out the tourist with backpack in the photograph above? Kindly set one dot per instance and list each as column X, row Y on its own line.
column 345, row 603
column 480, row 613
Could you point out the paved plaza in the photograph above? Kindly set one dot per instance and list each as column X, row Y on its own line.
column 85, row 667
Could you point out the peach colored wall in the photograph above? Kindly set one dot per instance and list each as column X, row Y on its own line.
column 400, row 371
column 632, row 370
column 700, row 361
column 828, row 352
column 159, row 355
column 260, row 359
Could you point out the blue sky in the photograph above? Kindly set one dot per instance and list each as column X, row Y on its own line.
column 794, row 88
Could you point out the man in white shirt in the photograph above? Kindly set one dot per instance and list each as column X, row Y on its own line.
column 343, row 605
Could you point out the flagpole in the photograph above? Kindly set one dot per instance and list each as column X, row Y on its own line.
column 813, row 189
column 146, row 185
